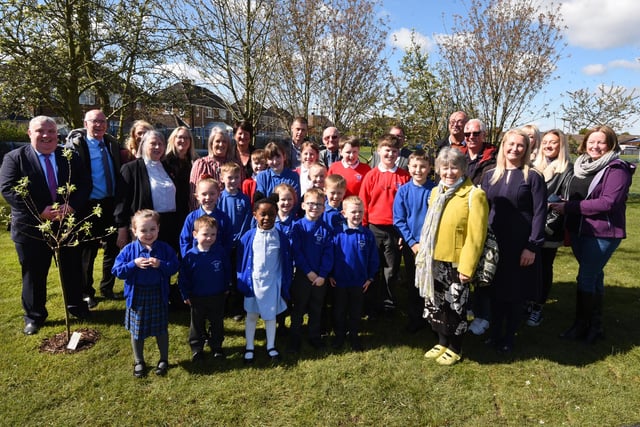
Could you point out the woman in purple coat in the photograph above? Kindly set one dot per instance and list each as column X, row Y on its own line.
column 595, row 204
column 517, row 197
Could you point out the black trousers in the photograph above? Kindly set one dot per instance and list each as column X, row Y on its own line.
column 306, row 298
column 89, row 249
column 209, row 308
column 35, row 260
column 347, row 311
column 387, row 238
column 415, row 303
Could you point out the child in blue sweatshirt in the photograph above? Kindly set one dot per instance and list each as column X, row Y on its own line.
column 287, row 202
column 204, row 281
column 207, row 193
column 409, row 212
column 335, row 187
column 277, row 173
column 356, row 263
column 146, row 265
column 313, row 255
column 237, row 206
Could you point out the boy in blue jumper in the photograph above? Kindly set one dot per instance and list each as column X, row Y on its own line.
column 204, row 281
column 409, row 212
column 238, row 207
column 313, row 256
column 207, row 193
column 335, row 187
column 356, row 263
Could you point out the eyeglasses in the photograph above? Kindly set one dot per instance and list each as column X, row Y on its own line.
column 331, row 137
column 314, row 205
column 468, row 134
column 97, row 121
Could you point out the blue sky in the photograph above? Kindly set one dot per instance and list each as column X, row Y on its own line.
column 603, row 44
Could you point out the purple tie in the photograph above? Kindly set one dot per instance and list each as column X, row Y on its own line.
column 51, row 179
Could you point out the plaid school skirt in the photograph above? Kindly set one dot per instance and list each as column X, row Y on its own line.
column 148, row 315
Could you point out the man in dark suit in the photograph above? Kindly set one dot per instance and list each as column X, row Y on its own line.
column 100, row 154
column 47, row 169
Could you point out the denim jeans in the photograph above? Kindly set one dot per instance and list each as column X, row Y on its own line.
column 592, row 254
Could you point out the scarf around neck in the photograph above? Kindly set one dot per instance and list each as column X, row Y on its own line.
column 584, row 166
column 424, row 258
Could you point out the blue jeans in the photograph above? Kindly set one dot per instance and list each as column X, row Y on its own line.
column 592, row 254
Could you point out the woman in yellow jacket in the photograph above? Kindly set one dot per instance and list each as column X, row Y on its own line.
column 451, row 243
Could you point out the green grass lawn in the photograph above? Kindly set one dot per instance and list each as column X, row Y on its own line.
column 546, row 381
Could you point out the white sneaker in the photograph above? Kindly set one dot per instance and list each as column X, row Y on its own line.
column 535, row 318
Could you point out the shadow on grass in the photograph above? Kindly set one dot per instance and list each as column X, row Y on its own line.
column 621, row 324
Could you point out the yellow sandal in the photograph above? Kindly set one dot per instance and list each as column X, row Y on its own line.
column 448, row 358
column 435, row 352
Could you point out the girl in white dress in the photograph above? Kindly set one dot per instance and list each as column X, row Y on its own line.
column 264, row 270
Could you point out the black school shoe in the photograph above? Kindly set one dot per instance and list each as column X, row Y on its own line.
column 162, row 368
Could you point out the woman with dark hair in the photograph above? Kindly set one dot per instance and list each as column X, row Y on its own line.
column 178, row 160
column 243, row 148
column 146, row 184
column 595, row 207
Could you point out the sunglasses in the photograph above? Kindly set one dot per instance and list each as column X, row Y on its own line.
column 468, row 134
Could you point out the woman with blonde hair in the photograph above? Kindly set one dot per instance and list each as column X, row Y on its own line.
column 178, row 160
column 517, row 198
column 138, row 129
column 554, row 163
column 533, row 133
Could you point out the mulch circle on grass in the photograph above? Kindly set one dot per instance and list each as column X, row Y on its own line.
column 58, row 344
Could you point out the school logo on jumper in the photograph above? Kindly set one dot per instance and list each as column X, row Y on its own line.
column 239, row 206
column 398, row 185
column 362, row 243
column 359, row 177
column 217, row 265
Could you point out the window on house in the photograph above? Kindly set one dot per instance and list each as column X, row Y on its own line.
column 87, row 98
column 222, row 113
column 209, row 113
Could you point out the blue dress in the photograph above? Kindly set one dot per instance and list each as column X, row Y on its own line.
column 517, row 215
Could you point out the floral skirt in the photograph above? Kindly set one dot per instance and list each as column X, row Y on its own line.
column 447, row 312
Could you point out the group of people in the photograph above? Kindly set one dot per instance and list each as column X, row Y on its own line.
column 292, row 229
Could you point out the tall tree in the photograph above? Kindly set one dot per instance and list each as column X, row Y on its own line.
column 614, row 106
column 420, row 99
column 228, row 50
column 500, row 56
column 331, row 58
column 354, row 68
column 54, row 51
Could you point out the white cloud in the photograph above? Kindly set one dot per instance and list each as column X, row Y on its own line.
column 626, row 64
column 602, row 24
column 594, row 69
column 599, row 69
column 402, row 39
